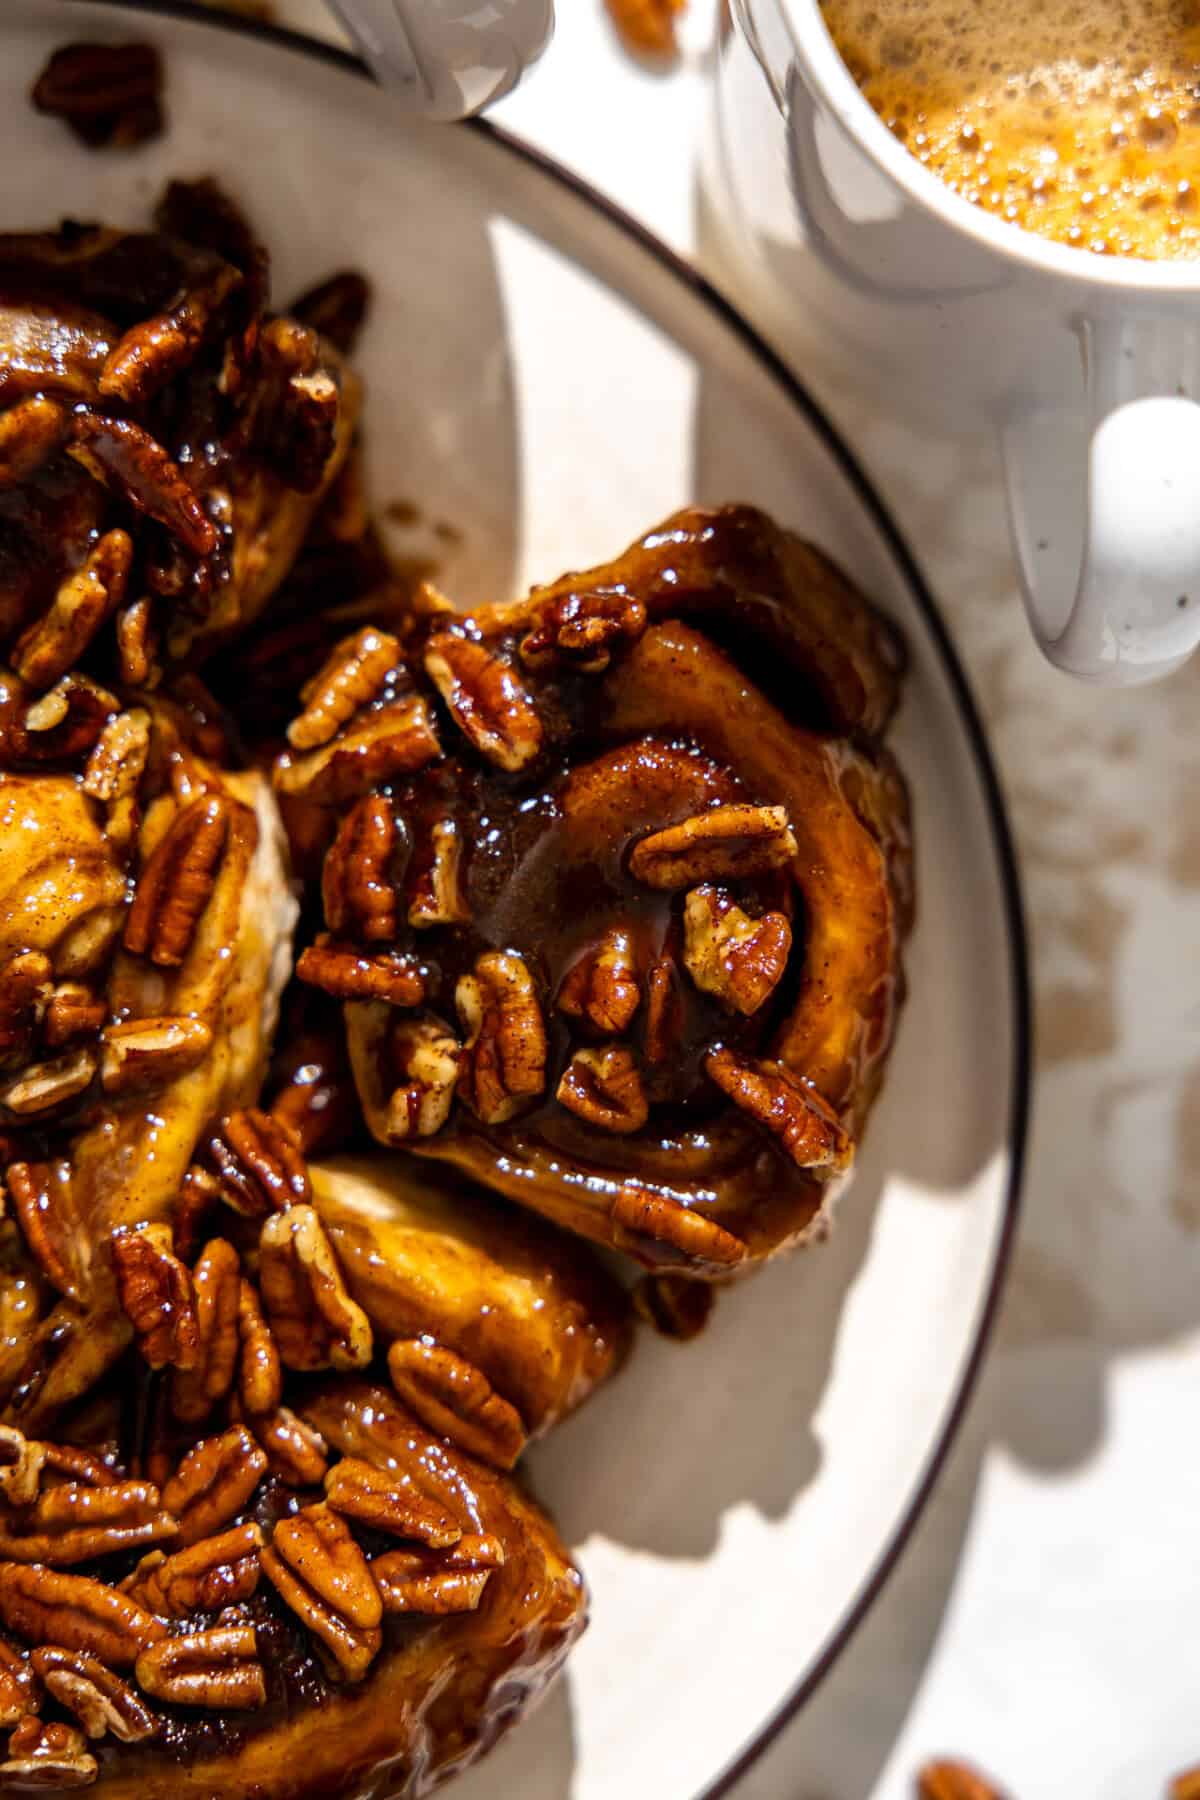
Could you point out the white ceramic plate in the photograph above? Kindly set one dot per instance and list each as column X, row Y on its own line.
column 549, row 382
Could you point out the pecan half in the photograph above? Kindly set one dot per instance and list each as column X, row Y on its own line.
column 138, row 645
column 100, row 1700
column 155, row 1291
column 109, row 94
column 44, row 1201
column 218, row 1669
column 49, row 1606
column 456, row 1400
column 426, row 1055
column 75, row 1522
column 354, row 674
column 806, row 1127
column 350, row 974
column 177, row 881
column 298, row 403
column 1185, row 1785
column 157, row 349
column 46, row 1756
column 435, row 895
column 945, row 1780
column 139, row 1054
column 57, row 727
column 315, row 1322
column 664, row 1012
column 216, row 1285
column 437, row 1582
column 30, row 433
column 26, row 980
column 387, row 1500
column 485, row 697
column 583, row 629
column 260, row 1373
column 85, row 599
column 294, row 1451
column 211, row 1574
column 259, row 1167
column 197, row 1196
column 604, row 1087
column 44, row 1086
column 114, row 772
column 393, row 739
column 726, row 843
column 213, row 1483
column 504, row 1059
column 738, row 959
column 122, row 455
column 72, row 1012
column 319, row 1571
column 638, row 1212
column 602, row 986
column 356, row 884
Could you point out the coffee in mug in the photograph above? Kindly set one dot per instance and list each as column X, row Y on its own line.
column 1076, row 119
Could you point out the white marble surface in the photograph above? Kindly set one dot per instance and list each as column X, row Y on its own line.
column 1042, row 1619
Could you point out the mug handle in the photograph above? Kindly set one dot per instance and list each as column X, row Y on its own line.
column 1106, row 528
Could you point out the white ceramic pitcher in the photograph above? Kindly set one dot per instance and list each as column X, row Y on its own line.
column 1087, row 367
column 447, row 58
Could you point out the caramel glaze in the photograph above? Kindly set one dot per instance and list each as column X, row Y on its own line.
column 438, row 1695
column 426, row 1257
column 679, row 722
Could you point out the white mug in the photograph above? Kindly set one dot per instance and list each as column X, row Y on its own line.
column 1086, row 366
column 445, row 59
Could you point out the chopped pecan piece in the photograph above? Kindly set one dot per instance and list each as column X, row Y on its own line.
column 75, row 1522
column 726, row 843
column 72, row 1463
column 21, row 1462
column 350, row 974
column 57, row 727
column 315, row 1322
column 676, row 1307
column 602, row 986
column 298, row 404
column 211, row 1574
column 72, row 1012
column 387, row 1500
column 114, row 771
column 155, row 350
column 43, row 1200
column 485, row 698
column 504, row 1059
column 109, row 94
column 20, row 1690
column 1184, row 1786
column 727, row 953
column 259, row 1167
column 319, row 1571
column 456, row 1400
column 100, row 1700
column 354, row 674
column 177, row 881
column 664, row 1012
column 85, row 599
column 123, row 456
column 49, row 1606
column 604, row 1087
column 385, row 741
column 647, row 27
column 44, row 1086
column 47, row 1756
column 213, row 1483
column 583, row 629
column 356, row 884
column 435, row 895
column 437, row 1581
column 30, row 433
column 946, row 1780
column 426, row 1055
column 197, row 1196
column 139, row 1054
column 216, row 1285
column 335, row 308
column 260, row 1374
column 294, row 1451
column 218, row 1669
column 138, row 645
column 155, row 1291
column 26, row 980
column 639, row 1212
column 807, row 1128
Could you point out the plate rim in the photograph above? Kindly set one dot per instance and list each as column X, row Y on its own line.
column 685, row 273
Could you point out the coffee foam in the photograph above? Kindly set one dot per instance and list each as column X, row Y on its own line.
column 1080, row 121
